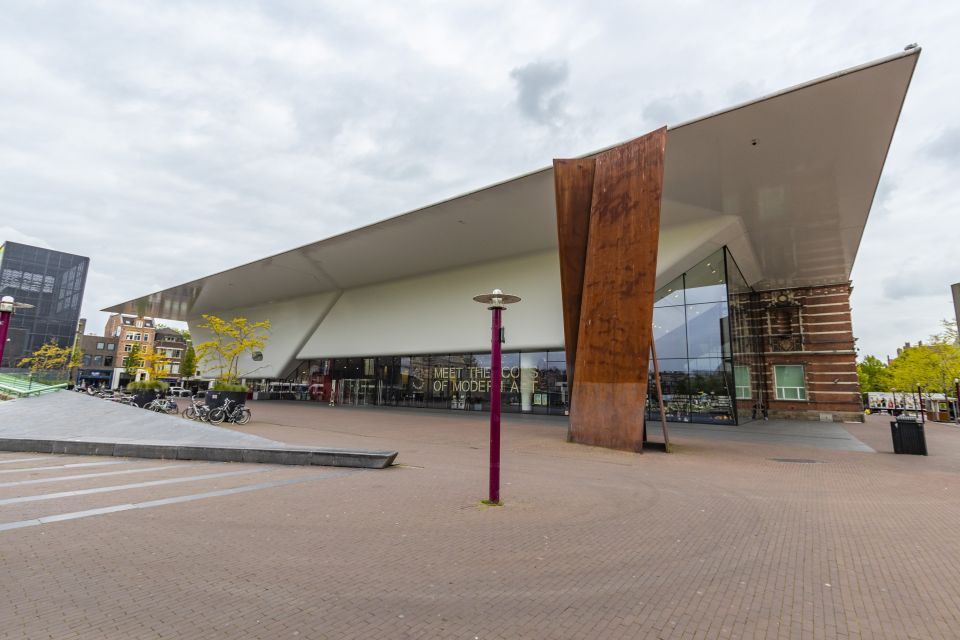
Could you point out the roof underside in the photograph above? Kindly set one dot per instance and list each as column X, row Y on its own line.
column 789, row 179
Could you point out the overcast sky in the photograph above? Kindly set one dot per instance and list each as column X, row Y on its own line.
column 170, row 140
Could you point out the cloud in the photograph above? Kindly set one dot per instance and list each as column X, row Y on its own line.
column 674, row 109
column 539, row 90
column 15, row 235
column 932, row 280
column 170, row 140
column 946, row 146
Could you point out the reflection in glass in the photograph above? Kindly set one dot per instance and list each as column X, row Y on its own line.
column 710, row 391
column 706, row 329
column 675, row 385
column 532, row 397
column 706, row 282
column 669, row 332
column 744, row 344
column 670, row 295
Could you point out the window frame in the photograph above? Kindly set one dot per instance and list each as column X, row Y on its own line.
column 737, row 386
column 801, row 391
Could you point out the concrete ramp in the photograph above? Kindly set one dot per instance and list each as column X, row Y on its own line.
column 74, row 423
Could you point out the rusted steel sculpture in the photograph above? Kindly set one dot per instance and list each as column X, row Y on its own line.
column 608, row 223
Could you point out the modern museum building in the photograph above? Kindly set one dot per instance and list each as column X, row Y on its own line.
column 762, row 211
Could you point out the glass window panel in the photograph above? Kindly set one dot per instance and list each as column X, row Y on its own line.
column 669, row 295
column 741, row 377
column 669, row 332
column 706, row 330
column 419, row 379
column 553, row 382
column 532, row 397
column 510, row 383
column 675, row 383
column 710, row 397
column 789, row 375
column 706, row 281
column 789, row 381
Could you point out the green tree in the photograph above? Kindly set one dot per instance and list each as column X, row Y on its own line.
column 230, row 340
column 188, row 364
column 873, row 375
column 933, row 366
column 132, row 360
column 948, row 335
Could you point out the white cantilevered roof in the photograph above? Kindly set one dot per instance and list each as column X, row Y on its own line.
column 787, row 181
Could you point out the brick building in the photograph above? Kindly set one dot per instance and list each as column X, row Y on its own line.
column 130, row 331
column 99, row 360
column 801, row 358
column 173, row 345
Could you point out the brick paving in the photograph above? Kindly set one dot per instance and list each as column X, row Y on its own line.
column 714, row 541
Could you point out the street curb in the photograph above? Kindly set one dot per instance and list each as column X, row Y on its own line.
column 356, row 458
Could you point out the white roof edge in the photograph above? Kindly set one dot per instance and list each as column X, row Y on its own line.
column 392, row 219
column 803, row 85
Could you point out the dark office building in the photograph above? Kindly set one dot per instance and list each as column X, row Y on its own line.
column 51, row 281
column 99, row 354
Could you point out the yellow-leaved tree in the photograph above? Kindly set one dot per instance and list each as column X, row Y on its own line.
column 230, row 339
column 51, row 359
column 156, row 365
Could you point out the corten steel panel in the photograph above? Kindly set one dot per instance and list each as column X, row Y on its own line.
column 616, row 314
column 573, row 181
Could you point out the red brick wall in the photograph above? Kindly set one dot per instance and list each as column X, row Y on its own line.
column 808, row 326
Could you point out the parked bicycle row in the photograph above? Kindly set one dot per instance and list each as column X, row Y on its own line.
column 159, row 404
column 229, row 411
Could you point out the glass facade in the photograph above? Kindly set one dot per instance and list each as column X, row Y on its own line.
column 532, row 382
column 748, row 366
column 691, row 329
column 705, row 368
column 53, row 283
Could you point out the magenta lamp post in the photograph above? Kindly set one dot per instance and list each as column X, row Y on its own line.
column 956, row 388
column 7, row 307
column 497, row 301
column 6, row 310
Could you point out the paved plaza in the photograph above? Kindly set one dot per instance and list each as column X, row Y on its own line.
column 782, row 536
column 73, row 423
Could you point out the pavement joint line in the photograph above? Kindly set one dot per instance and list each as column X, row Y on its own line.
column 74, row 465
column 135, row 485
column 24, row 460
column 76, row 515
column 18, row 483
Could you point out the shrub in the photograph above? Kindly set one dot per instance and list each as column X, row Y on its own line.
column 148, row 385
column 220, row 385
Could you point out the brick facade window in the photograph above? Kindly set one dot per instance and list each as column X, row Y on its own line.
column 790, row 383
column 741, row 380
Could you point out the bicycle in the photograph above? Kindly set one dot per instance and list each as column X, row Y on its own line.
column 125, row 398
column 163, row 405
column 197, row 411
column 239, row 414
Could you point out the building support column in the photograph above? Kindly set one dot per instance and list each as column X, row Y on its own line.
column 608, row 222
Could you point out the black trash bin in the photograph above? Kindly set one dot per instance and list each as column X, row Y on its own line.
column 908, row 436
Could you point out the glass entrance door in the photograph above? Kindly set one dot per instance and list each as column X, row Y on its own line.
column 356, row 392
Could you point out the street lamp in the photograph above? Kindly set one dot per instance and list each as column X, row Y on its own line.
column 956, row 389
column 7, row 307
column 920, row 402
column 497, row 301
column 6, row 310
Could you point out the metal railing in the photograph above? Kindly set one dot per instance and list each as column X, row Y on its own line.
column 21, row 383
